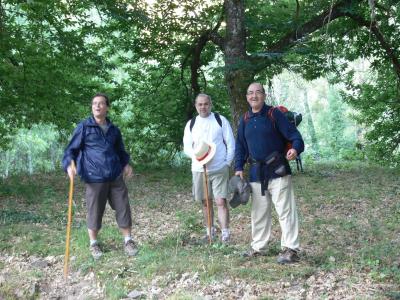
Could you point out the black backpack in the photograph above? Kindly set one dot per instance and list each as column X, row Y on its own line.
column 216, row 115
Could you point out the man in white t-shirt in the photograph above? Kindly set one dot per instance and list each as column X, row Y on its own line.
column 213, row 129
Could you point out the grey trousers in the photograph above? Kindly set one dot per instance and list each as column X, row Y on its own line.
column 116, row 193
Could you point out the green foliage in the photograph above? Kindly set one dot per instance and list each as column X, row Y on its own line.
column 56, row 55
column 382, row 118
column 47, row 70
column 32, row 150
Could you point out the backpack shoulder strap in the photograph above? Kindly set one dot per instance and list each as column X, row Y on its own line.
column 246, row 117
column 270, row 114
column 216, row 115
column 218, row 118
column 192, row 121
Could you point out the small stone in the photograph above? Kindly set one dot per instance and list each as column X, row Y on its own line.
column 40, row 264
column 135, row 294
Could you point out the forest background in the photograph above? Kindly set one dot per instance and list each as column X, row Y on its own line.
column 335, row 62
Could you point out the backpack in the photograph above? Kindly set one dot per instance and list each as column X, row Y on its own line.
column 216, row 115
column 293, row 117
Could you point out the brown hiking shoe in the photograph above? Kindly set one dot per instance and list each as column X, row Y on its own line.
column 288, row 256
column 130, row 248
column 252, row 253
column 95, row 251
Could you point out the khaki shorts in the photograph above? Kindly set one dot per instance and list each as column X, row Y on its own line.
column 217, row 184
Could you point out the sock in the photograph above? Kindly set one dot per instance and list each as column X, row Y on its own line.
column 225, row 232
column 92, row 242
column 127, row 238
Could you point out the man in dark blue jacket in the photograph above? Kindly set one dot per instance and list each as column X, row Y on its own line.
column 102, row 162
column 261, row 139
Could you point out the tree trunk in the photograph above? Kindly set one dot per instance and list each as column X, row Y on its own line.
column 311, row 128
column 238, row 71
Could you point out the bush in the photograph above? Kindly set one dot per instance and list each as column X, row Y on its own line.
column 32, row 150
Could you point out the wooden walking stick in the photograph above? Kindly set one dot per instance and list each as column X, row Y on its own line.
column 71, row 192
column 208, row 204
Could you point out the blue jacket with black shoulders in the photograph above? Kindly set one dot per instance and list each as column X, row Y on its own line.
column 99, row 157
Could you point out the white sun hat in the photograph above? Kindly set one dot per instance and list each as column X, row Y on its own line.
column 204, row 152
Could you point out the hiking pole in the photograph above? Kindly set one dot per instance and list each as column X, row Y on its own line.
column 207, row 204
column 71, row 192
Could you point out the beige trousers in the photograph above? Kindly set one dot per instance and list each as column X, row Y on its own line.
column 280, row 193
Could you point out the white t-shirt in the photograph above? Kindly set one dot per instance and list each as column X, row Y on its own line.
column 207, row 129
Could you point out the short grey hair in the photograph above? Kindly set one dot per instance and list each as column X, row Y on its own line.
column 203, row 95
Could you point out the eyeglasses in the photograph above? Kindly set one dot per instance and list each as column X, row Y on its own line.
column 100, row 103
column 258, row 93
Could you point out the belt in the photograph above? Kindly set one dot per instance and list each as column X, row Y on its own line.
column 261, row 175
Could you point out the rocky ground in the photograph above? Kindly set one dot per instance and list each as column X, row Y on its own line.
column 339, row 284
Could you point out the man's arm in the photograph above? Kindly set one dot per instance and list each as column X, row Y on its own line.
column 72, row 150
column 120, row 150
column 290, row 132
column 241, row 150
column 188, row 141
column 229, row 139
column 124, row 157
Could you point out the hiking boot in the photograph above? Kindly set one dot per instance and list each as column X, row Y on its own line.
column 288, row 256
column 95, row 251
column 252, row 253
column 130, row 248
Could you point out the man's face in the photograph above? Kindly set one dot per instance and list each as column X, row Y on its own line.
column 99, row 107
column 203, row 106
column 255, row 96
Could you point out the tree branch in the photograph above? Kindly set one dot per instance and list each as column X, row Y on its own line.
column 290, row 39
column 276, row 50
column 381, row 39
column 217, row 40
column 195, row 63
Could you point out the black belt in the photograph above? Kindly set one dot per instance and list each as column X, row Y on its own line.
column 275, row 163
column 260, row 164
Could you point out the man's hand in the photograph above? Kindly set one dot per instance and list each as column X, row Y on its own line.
column 71, row 170
column 239, row 173
column 128, row 171
column 291, row 154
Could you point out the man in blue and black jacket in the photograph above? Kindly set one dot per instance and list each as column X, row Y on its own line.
column 262, row 135
column 102, row 162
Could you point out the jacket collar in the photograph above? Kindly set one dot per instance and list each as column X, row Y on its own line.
column 262, row 112
column 92, row 122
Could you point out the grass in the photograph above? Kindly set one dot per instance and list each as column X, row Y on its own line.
column 349, row 213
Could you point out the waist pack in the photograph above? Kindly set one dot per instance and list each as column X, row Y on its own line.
column 276, row 164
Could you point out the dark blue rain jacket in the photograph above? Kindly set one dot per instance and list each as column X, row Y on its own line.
column 99, row 157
